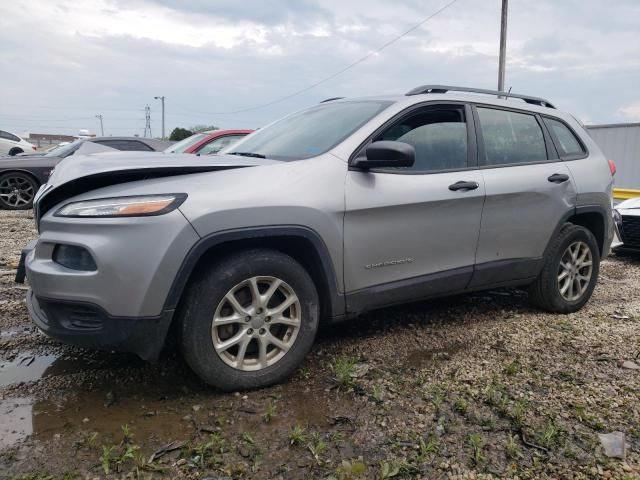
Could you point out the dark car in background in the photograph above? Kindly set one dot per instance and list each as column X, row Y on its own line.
column 208, row 143
column 21, row 176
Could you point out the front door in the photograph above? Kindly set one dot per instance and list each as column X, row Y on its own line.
column 412, row 232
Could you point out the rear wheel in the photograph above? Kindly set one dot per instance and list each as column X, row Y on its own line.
column 15, row 151
column 249, row 321
column 570, row 271
column 17, row 191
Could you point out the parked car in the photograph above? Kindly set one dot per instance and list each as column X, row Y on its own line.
column 11, row 144
column 21, row 176
column 627, row 219
column 345, row 207
column 207, row 143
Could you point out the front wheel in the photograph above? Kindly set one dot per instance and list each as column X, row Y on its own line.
column 248, row 321
column 570, row 271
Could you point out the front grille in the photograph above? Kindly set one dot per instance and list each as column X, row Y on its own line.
column 631, row 230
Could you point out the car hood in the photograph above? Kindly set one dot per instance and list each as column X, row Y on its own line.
column 78, row 174
column 631, row 204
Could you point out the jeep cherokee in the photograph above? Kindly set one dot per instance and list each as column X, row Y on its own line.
column 347, row 206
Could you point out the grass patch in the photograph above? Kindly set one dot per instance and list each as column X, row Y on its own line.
column 297, row 435
column 512, row 447
column 476, row 443
column 343, row 369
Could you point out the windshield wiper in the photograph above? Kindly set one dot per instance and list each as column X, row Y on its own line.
column 248, row 154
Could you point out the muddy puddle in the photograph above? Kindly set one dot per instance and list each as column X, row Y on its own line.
column 29, row 366
column 157, row 408
column 421, row 358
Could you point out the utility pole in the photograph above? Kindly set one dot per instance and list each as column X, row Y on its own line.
column 99, row 117
column 162, row 100
column 503, row 45
column 147, row 118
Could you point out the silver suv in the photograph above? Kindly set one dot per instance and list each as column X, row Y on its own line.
column 347, row 206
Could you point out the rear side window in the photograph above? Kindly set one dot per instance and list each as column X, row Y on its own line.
column 126, row 145
column 218, row 144
column 566, row 142
column 511, row 137
column 9, row 136
column 439, row 136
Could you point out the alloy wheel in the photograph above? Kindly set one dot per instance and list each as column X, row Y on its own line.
column 575, row 270
column 256, row 323
column 16, row 191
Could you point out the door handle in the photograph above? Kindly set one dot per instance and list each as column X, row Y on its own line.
column 558, row 178
column 462, row 185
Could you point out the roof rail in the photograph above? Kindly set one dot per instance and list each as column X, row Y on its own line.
column 448, row 88
column 331, row 99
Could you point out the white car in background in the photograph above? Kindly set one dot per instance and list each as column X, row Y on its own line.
column 12, row 144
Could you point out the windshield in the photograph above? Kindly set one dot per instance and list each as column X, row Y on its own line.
column 65, row 150
column 182, row 145
column 308, row 133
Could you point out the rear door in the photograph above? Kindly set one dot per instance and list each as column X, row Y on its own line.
column 412, row 232
column 528, row 191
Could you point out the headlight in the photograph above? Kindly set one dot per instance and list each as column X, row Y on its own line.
column 138, row 206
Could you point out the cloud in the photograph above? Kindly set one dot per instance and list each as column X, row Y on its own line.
column 112, row 57
column 630, row 112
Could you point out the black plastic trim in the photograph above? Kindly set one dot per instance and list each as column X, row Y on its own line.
column 504, row 271
column 336, row 299
column 424, row 89
column 144, row 336
column 409, row 290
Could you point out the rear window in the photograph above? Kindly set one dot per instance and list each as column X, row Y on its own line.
column 511, row 137
column 566, row 141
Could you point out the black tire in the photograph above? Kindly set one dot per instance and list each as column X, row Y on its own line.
column 207, row 290
column 15, row 151
column 545, row 291
column 28, row 187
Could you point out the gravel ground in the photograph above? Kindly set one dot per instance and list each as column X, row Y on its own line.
column 475, row 386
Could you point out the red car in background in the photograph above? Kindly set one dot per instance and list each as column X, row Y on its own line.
column 208, row 143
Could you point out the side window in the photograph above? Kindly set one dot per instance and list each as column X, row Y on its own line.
column 218, row 144
column 510, row 137
column 133, row 146
column 567, row 143
column 439, row 136
column 9, row 136
column 126, row 145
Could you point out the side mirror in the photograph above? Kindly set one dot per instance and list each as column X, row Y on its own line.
column 386, row 153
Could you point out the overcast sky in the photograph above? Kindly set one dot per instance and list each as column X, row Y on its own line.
column 64, row 61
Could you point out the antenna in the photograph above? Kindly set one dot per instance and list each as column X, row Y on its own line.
column 147, row 118
column 506, row 97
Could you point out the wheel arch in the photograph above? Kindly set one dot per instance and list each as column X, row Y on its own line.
column 593, row 219
column 15, row 150
column 301, row 243
column 22, row 171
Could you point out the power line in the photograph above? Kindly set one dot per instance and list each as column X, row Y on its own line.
column 340, row 72
column 280, row 99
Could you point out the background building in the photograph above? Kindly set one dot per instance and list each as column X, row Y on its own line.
column 621, row 143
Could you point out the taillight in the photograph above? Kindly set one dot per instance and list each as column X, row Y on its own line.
column 612, row 167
